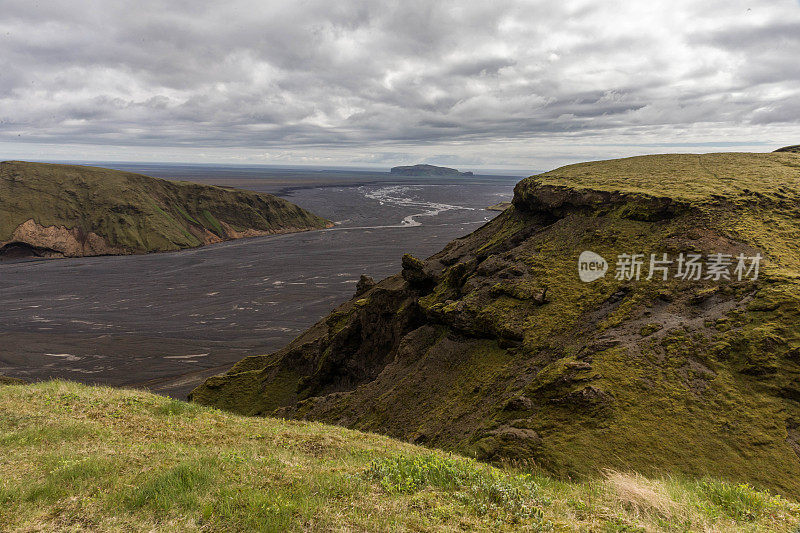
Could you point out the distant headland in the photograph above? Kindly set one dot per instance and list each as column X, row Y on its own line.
column 794, row 149
column 426, row 170
column 72, row 211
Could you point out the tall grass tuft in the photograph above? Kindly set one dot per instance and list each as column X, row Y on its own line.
column 176, row 487
column 483, row 488
column 739, row 501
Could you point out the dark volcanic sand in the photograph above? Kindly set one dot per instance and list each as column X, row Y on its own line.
column 166, row 321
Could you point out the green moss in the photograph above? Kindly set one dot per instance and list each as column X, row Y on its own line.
column 689, row 177
column 649, row 329
column 245, row 393
column 185, row 215
column 213, row 221
column 508, row 227
column 564, row 372
column 338, row 320
column 172, row 222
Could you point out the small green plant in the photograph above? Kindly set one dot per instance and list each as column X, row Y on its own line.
column 649, row 329
column 738, row 501
column 68, row 475
column 484, row 489
column 175, row 487
column 176, row 408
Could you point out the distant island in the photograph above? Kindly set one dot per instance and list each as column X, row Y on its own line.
column 426, row 170
column 51, row 210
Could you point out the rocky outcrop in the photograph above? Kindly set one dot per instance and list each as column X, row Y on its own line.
column 557, row 200
column 364, row 284
column 502, row 206
column 494, row 347
column 55, row 241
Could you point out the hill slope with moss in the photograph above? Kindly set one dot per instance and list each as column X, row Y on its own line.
column 793, row 149
column 77, row 458
column 70, row 210
column 495, row 348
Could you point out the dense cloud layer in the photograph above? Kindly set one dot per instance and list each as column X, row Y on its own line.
column 498, row 84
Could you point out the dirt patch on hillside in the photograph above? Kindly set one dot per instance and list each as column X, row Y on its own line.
column 33, row 240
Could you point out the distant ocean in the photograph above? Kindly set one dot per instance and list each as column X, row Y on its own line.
column 166, row 321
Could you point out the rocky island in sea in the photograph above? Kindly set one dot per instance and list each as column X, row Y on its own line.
column 426, row 170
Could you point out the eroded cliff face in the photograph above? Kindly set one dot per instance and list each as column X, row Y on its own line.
column 72, row 211
column 494, row 347
column 31, row 239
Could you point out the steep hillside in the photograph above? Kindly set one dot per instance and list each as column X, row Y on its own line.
column 76, row 458
column 495, row 347
column 69, row 210
column 795, row 148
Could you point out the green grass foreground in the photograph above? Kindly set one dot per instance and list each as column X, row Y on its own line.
column 78, row 458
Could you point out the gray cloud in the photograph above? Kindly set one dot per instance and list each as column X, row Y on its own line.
column 370, row 80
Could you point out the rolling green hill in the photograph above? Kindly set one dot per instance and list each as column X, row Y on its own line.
column 495, row 348
column 77, row 458
column 69, row 210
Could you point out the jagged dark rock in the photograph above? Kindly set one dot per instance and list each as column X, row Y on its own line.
column 364, row 284
column 416, row 273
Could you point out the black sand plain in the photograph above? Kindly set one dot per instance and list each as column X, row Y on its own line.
column 166, row 321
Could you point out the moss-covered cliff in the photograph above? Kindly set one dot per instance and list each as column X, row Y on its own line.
column 70, row 210
column 496, row 348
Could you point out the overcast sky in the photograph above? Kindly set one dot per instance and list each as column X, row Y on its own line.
column 497, row 84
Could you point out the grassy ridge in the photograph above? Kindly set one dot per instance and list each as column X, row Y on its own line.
column 684, row 177
column 77, row 458
column 133, row 213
